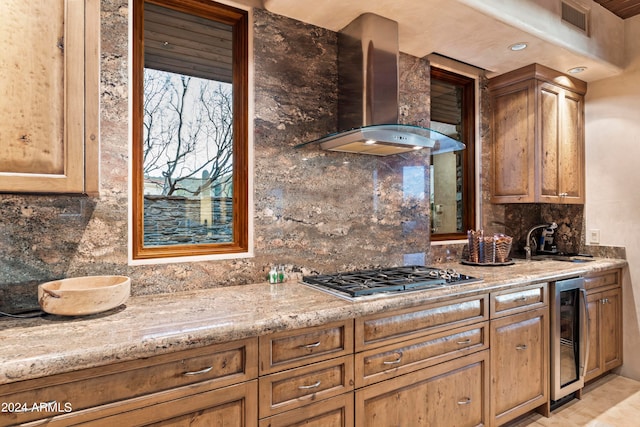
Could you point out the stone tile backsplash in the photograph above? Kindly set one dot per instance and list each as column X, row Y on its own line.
column 314, row 210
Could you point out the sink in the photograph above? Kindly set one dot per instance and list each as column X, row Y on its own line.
column 564, row 258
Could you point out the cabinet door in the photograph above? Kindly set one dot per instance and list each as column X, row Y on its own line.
column 571, row 148
column 611, row 329
column 561, row 145
column 49, row 105
column 594, row 364
column 538, row 137
column 450, row 394
column 519, row 364
column 605, row 332
column 513, row 130
column 548, row 117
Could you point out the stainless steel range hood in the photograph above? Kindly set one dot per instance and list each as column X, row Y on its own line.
column 368, row 95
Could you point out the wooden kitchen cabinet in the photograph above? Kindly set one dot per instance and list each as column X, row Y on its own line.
column 50, row 97
column 401, row 325
column 386, row 362
column 519, row 362
column 453, row 393
column 294, row 388
column 291, row 349
column 537, row 119
column 209, row 383
column 425, row 365
column 307, row 374
column 604, row 308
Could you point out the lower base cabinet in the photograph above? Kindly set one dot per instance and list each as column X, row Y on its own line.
column 454, row 393
column 604, row 307
column 519, row 364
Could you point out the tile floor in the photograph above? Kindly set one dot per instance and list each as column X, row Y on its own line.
column 611, row 401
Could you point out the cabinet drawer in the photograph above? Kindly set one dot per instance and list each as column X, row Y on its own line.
column 518, row 300
column 291, row 389
column 405, row 324
column 334, row 412
column 397, row 359
column 290, row 349
column 453, row 393
column 220, row 365
column 232, row 406
column 604, row 278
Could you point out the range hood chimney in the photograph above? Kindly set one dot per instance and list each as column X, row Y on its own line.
column 368, row 95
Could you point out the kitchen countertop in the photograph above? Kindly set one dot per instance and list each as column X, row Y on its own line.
column 157, row 324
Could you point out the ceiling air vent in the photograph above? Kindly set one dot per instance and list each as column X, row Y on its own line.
column 575, row 16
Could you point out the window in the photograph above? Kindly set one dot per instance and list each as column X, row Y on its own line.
column 453, row 174
column 190, row 129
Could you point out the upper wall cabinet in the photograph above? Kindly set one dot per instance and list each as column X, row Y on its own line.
column 49, row 78
column 538, row 137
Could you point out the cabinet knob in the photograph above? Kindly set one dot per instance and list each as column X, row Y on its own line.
column 521, row 347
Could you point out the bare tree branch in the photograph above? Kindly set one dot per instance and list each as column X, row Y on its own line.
column 188, row 124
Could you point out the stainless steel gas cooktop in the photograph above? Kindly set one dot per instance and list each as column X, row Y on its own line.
column 392, row 280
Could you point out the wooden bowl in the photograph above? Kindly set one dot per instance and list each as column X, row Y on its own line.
column 83, row 295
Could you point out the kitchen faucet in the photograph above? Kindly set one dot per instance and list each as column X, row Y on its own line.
column 527, row 248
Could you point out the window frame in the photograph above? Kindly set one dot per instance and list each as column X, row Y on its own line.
column 469, row 154
column 240, row 244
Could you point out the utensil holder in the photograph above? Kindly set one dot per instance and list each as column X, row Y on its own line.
column 475, row 245
column 503, row 247
column 489, row 250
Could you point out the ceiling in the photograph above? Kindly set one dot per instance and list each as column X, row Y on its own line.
column 623, row 8
column 478, row 32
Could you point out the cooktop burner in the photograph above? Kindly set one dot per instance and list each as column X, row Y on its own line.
column 388, row 280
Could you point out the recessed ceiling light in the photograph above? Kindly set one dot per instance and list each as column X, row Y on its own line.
column 576, row 70
column 518, row 46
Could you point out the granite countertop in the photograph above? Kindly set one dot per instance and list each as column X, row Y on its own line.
column 157, row 324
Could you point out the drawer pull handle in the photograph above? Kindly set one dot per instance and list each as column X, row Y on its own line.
column 393, row 362
column 39, row 407
column 465, row 401
column 315, row 344
column 200, row 372
column 521, row 347
column 307, row 387
column 521, row 299
column 463, row 342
